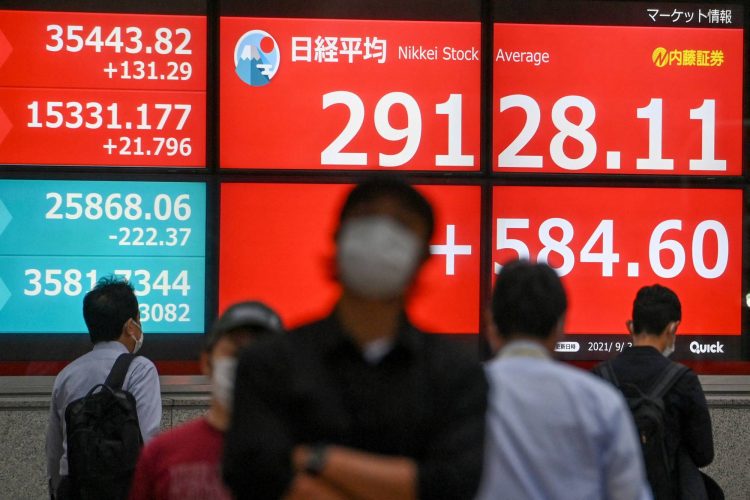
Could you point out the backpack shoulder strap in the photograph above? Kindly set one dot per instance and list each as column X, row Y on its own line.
column 667, row 379
column 607, row 372
column 116, row 376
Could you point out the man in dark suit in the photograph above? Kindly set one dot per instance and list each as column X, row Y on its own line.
column 656, row 315
column 361, row 404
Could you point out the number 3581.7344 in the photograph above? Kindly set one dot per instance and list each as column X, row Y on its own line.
column 74, row 282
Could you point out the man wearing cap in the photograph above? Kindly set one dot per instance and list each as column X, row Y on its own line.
column 184, row 463
column 361, row 404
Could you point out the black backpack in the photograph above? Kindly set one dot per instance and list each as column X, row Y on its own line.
column 648, row 413
column 104, row 438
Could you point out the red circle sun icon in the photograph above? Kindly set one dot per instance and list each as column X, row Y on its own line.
column 267, row 44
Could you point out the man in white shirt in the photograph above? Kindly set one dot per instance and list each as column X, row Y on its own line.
column 553, row 431
column 111, row 313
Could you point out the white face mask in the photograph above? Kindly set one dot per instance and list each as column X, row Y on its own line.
column 376, row 256
column 138, row 341
column 669, row 349
column 224, row 372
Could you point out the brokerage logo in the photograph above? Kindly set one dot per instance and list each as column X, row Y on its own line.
column 715, row 348
column 662, row 57
column 256, row 58
column 659, row 57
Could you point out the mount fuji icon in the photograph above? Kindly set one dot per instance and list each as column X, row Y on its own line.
column 247, row 66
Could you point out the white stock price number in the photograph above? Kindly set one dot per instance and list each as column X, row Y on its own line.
column 115, row 206
column 510, row 157
column 75, row 38
column 412, row 132
column 73, row 282
column 166, row 313
column 556, row 234
column 95, row 115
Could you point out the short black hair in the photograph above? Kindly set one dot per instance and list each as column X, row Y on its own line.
column 528, row 300
column 395, row 188
column 654, row 308
column 107, row 307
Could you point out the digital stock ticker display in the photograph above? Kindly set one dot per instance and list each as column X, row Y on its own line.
column 202, row 151
column 102, row 89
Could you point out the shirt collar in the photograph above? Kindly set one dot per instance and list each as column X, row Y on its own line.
column 375, row 351
column 644, row 350
column 524, row 349
column 111, row 345
column 407, row 339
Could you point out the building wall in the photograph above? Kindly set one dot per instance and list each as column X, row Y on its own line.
column 23, row 420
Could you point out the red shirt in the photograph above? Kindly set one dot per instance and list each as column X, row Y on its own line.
column 181, row 464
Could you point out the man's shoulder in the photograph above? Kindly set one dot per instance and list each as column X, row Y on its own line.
column 687, row 386
column 310, row 326
column 443, row 348
column 450, row 358
column 181, row 443
column 183, row 435
column 79, row 365
column 645, row 368
column 143, row 364
column 586, row 384
column 142, row 371
column 270, row 352
column 312, row 330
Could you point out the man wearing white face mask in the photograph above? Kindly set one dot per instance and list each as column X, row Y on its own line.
column 110, row 311
column 184, row 463
column 361, row 404
column 656, row 315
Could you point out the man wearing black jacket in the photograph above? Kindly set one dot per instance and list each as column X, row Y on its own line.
column 656, row 315
column 361, row 404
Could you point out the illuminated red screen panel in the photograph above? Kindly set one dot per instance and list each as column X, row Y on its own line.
column 349, row 94
column 102, row 89
column 609, row 242
column 276, row 245
column 617, row 100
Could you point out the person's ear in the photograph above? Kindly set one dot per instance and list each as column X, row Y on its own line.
column 672, row 327
column 336, row 233
column 629, row 326
column 559, row 331
column 556, row 335
column 492, row 334
column 126, row 328
column 205, row 364
column 426, row 254
column 134, row 327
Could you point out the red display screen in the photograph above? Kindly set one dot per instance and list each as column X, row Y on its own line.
column 602, row 137
column 277, row 244
column 349, row 94
column 606, row 243
column 102, row 89
column 617, row 99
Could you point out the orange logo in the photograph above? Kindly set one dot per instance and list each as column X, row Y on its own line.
column 660, row 57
